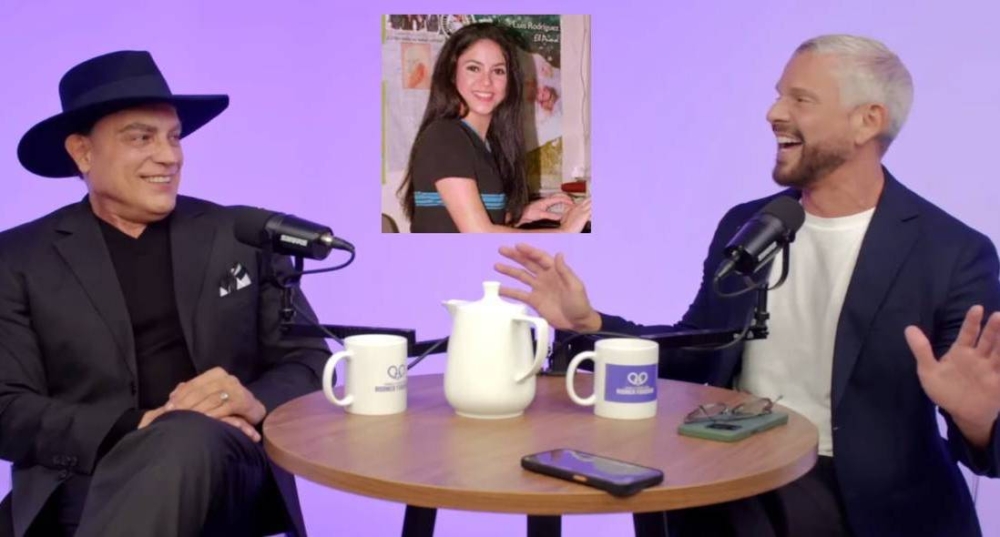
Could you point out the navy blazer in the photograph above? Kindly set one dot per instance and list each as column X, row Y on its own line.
column 67, row 355
column 917, row 265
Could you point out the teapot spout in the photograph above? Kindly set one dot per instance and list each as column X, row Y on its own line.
column 452, row 306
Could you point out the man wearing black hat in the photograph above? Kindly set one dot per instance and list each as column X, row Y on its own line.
column 133, row 382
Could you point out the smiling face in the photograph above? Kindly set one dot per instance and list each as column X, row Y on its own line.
column 131, row 161
column 481, row 80
column 812, row 126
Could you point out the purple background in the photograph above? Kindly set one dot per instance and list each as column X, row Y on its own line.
column 679, row 96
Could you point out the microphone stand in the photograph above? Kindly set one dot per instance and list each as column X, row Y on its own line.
column 568, row 344
column 413, row 347
column 291, row 328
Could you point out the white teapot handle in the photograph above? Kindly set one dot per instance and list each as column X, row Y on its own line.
column 541, row 345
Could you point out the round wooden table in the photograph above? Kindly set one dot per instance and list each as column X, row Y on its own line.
column 430, row 457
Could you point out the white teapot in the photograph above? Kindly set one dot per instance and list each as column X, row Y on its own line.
column 491, row 366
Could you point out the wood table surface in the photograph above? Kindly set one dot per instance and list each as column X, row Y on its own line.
column 430, row 457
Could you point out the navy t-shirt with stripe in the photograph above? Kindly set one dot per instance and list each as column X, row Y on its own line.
column 450, row 148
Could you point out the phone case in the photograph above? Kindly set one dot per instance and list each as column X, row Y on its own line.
column 619, row 486
column 733, row 431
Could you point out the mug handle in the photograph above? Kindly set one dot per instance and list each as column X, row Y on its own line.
column 331, row 366
column 571, row 373
column 541, row 345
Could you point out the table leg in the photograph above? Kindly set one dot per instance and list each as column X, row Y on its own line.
column 650, row 524
column 544, row 526
column 419, row 521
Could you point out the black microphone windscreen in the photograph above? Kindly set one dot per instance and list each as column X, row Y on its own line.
column 787, row 210
column 249, row 223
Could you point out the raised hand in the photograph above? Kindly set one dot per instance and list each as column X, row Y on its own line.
column 965, row 382
column 556, row 293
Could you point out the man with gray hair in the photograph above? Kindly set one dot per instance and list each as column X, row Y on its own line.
column 882, row 319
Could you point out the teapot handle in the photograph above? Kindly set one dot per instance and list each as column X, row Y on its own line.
column 541, row 345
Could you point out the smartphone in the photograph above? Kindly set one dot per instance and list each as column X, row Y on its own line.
column 732, row 431
column 617, row 477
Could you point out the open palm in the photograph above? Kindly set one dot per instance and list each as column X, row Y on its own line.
column 966, row 380
column 556, row 293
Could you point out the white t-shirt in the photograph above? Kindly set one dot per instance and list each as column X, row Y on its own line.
column 795, row 361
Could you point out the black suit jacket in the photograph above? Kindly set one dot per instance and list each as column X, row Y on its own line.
column 67, row 356
column 917, row 265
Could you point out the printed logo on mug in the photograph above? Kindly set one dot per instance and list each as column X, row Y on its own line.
column 630, row 383
column 396, row 372
column 625, row 373
column 375, row 376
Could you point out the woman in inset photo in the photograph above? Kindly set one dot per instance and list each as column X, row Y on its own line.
column 466, row 171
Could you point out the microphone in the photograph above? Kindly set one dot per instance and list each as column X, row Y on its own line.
column 285, row 234
column 759, row 238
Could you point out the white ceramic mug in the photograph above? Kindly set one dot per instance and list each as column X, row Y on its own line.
column 625, row 372
column 375, row 382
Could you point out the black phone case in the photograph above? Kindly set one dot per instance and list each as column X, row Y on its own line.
column 614, row 488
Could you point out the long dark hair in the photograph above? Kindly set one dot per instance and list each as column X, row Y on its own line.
column 505, row 135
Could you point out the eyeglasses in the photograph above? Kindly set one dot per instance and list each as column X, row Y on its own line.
column 723, row 412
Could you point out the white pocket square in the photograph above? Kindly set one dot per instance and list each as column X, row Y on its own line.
column 237, row 278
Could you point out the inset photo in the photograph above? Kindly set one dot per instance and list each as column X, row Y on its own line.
column 486, row 124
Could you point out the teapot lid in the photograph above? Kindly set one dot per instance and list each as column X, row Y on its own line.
column 491, row 299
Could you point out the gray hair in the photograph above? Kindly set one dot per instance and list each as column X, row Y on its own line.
column 869, row 73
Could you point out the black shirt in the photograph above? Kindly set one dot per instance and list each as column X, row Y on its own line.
column 450, row 148
column 144, row 268
column 145, row 273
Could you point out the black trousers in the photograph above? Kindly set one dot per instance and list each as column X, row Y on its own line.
column 810, row 507
column 184, row 474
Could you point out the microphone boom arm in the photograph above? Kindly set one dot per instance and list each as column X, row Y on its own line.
column 680, row 339
column 413, row 347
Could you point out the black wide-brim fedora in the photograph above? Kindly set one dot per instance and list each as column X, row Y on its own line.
column 102, row 86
